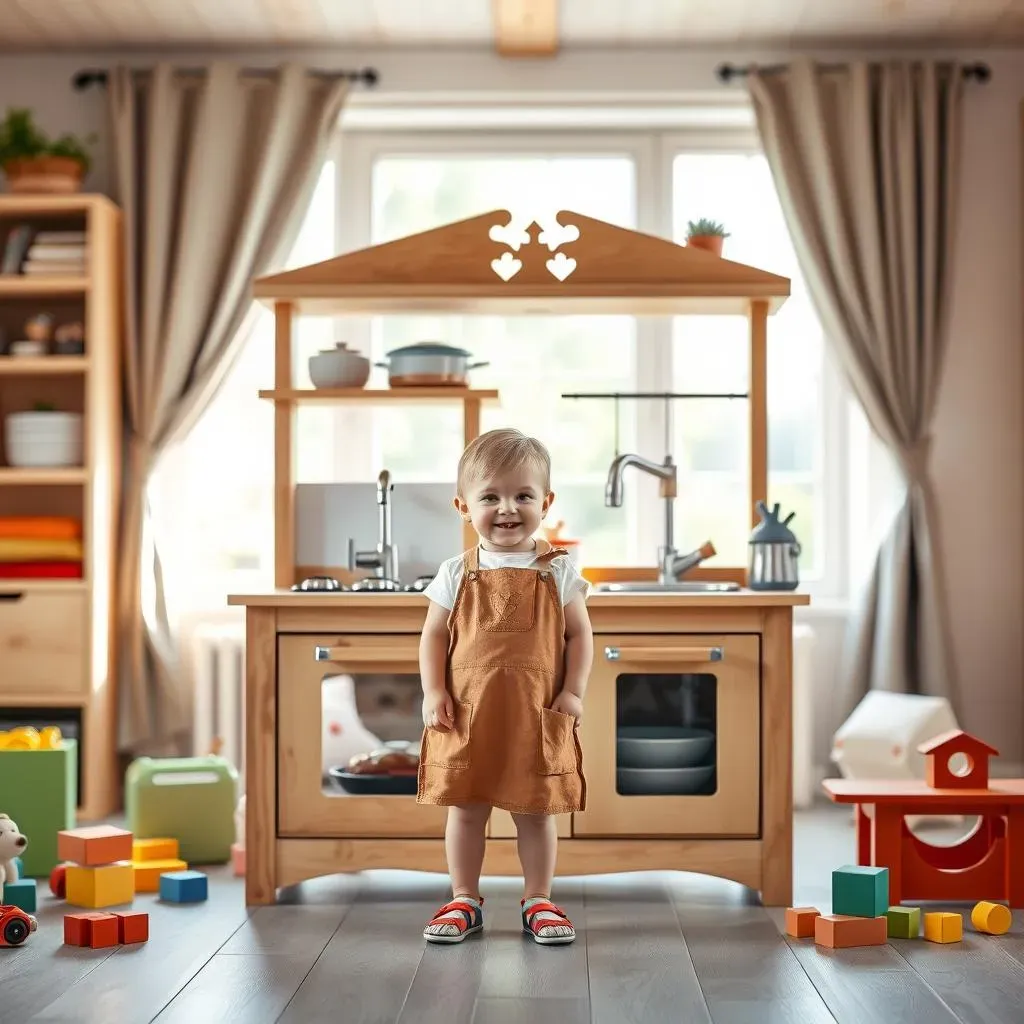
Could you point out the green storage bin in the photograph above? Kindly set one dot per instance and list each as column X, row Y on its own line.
column 39, row 790
column 191, row 799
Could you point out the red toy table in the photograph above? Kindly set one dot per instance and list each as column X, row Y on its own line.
column 987, row 864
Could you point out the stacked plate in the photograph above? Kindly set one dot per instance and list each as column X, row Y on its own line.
column 664, row 760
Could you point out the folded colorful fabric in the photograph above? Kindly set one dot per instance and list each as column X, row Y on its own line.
column 40, row 527
column 18, row 549
column 40, row 570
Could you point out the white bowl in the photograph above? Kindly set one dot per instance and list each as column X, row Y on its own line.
column 43, row 439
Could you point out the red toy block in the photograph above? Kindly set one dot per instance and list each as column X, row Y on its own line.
column 90, row 929
column 800, row 921
column 59, row 881
column 238, row 859
column 94, row 845
column 132, row 926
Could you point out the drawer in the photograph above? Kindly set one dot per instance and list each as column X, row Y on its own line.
column 43, row 641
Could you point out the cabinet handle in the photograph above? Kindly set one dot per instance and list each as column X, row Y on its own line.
column 367, row 655
column 11, row 595
column 695, row 654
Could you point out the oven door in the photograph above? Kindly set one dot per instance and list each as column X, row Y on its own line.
column 339, row 697
column 671, row 737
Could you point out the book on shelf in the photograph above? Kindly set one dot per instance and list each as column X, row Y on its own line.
column 51, row 268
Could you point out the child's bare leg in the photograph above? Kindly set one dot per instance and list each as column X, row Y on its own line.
column 538, row 847
column 464, row 839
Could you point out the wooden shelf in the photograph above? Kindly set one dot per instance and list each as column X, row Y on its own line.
column 381, row 395
column 10, row 476
column 15, row 366
column 25, row 286
column 8, row 586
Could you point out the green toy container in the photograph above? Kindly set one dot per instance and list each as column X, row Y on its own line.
column 191, row 799
column 39, row 791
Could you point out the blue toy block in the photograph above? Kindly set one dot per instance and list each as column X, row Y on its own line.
column 21, row 867
column 859, row 891
column 183, row 886
column 21, row 894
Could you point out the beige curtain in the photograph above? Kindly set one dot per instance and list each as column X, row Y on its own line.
column 214, row 171
column 864, row 157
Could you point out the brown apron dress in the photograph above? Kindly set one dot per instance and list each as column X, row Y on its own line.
column 506, row 664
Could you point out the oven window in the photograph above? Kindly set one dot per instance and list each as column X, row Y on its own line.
column 666, row 733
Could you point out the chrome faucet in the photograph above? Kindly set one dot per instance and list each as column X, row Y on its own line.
column 672, row 565
column 383, row 560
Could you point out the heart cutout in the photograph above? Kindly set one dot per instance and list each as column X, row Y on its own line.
column 561, row 266
column 507, row 267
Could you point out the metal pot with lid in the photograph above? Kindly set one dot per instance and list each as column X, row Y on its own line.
column 429, row 364
column 774, row 551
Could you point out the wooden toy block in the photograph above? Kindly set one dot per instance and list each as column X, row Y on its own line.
column 238, row 859
column 154, row 849
column 941, row 927
column 59, row 881
column 183, row 887
column 104, row 886
column 904, row 922
column 16, row 861
column 21, row 894
column 94, row 845
column 840, row 931
column 991, row 918
column 148, row 872
column 859, row 891
column 800, row 921
column 97, row 931
column 132, row 926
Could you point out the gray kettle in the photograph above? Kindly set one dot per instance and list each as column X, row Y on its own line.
column 774, row 551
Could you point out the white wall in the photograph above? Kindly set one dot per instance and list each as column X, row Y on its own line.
column 979, row 446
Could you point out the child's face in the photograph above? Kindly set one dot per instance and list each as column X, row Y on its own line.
column 506, row 508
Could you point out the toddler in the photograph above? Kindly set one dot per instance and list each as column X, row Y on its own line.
column 504, row 659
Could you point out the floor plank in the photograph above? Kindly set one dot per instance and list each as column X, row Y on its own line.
column 535, row 1011
column 286, row 931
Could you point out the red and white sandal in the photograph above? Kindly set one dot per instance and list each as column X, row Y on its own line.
column 455, row 921
column 546, row 923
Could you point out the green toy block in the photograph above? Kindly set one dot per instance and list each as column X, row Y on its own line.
column 904, row 922
column 39, row 790
column 860, row 891
column 21, row 894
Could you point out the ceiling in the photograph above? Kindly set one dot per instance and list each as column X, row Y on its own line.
column 48, row 25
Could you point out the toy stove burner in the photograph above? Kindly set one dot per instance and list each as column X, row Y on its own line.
column 321, row 584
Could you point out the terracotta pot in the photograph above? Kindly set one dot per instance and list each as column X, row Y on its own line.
column 712, row 243
column 49, row 174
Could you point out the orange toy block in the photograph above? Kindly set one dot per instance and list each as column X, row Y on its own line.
column 148, row 872
column 940, row 927
column 94, row 845
column 238, row 859
column 800, row 921
column 132, row 926
column 97, row 931
column 838, row 931
column 154, row 849
column 105, row 886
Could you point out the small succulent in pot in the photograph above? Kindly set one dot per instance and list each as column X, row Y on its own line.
column 32, row 162
column 706, row 234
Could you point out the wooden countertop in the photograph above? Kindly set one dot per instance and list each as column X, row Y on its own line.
column 347, row 599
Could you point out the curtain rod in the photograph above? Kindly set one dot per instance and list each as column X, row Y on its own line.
column 97, row 76
column 727, row 72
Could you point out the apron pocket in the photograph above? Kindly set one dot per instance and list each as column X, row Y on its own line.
column 507, row 604
column 557, row 743
column 450, row 749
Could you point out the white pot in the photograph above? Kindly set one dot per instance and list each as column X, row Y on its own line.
column 43, row 439
column 339, row 367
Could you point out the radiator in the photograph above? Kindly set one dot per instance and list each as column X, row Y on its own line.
column 803, row 715
column 218, row 672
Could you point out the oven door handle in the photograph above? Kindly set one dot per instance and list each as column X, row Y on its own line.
column 698, row 655
column 366, row 654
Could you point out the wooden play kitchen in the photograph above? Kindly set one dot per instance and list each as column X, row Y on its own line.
column 725, row 658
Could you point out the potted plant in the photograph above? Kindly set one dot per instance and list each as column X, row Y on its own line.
column 706, row 234
column 32, row 162
column 43, row 437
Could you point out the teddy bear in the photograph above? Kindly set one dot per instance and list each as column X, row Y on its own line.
column 12, row 844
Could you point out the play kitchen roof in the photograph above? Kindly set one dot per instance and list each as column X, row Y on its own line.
column 486, row 264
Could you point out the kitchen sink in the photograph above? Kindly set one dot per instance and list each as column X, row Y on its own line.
column 678, row 587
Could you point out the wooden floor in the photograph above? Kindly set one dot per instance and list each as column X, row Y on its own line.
column 651, row 948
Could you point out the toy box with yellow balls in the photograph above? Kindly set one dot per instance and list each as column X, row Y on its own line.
column 39, row 790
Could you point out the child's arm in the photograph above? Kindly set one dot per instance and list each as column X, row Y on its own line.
column 433, row 665
column 579, row 648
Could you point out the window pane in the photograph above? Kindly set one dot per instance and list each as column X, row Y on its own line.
column 533, row 360
column 711, row 354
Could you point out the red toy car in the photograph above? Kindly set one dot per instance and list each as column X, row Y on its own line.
column 15, row 926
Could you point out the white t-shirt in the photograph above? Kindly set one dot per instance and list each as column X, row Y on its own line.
column 444, row 587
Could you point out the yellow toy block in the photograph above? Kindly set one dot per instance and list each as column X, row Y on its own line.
column 154, row 849
column 991, row 918
column 943, row 927
column 148, row 872
column 106, row 885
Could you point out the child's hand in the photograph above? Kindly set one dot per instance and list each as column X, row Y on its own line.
column 438, row 710
column 569, row 704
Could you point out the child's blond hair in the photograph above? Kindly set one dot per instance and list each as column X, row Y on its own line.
column 501, row 451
